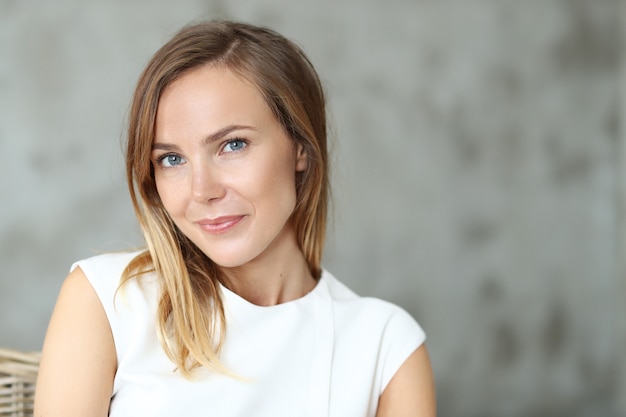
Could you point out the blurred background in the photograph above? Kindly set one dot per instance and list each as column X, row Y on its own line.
column 478, row 170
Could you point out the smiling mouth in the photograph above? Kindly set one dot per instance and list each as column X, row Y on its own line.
column 219, row 225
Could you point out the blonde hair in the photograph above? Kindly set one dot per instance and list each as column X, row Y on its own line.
column 191, row 320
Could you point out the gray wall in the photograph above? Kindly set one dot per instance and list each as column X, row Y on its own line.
column 479, row 174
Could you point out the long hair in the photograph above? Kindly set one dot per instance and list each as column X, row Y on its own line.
column 191, row 319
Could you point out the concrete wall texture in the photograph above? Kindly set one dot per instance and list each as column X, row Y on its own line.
column 479, row 174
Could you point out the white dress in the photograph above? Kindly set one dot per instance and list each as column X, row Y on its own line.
column 329, row 353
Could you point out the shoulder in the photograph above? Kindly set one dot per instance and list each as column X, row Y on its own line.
column 106, row 264
column 122, row 304
column 127, row 307
column 105, row 270
column 84, row 367
column 371, row 312
column 384, row 334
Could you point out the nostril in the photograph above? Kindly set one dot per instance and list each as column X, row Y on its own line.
column 206, row 186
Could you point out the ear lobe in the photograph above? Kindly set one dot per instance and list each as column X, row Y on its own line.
column 302, row 159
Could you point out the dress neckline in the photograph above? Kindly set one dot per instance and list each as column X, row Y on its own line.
column 320, row 288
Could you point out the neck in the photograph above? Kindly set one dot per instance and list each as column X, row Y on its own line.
column 269, row 288
column 271, row 279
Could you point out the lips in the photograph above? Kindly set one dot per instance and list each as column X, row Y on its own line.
column 219, row 225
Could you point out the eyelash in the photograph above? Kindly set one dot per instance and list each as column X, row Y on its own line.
column 235, row 140
column 160, row 159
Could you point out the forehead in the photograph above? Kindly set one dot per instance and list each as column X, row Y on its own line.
column 208, row 81
column 208, row 98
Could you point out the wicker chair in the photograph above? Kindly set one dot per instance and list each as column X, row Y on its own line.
column 18, row 372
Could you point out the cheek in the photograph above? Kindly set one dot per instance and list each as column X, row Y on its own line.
column 170, row 194
column 279, row 185
column 268, row 187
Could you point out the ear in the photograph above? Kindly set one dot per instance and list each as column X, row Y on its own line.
column 302, row 159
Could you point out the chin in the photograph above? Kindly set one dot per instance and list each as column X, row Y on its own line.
column 227, row 260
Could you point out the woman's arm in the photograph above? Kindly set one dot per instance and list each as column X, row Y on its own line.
column 78, row 360
column 411, row 391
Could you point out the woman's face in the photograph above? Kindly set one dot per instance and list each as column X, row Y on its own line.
column 225, row 168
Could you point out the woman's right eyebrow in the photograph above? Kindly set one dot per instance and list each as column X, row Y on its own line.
column 164, row 147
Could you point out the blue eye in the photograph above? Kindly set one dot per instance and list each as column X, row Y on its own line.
column 235, row 145
column 170, row 160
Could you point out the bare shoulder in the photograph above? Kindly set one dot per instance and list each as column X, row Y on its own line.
column 411, row 391
column 78, row 360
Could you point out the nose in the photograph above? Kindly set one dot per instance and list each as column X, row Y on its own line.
column 206, row 184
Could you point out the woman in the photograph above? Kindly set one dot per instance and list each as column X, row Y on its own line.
column 228, row 312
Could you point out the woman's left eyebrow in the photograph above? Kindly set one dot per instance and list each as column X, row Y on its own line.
column 225, row 131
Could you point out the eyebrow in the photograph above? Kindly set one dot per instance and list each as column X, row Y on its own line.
column 211, row 138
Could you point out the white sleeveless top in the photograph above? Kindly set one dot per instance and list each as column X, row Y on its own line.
column 329, row 353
